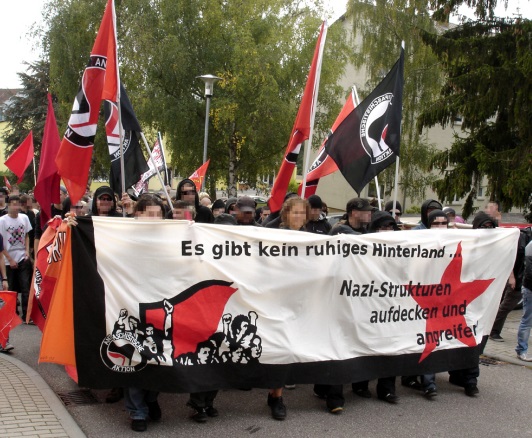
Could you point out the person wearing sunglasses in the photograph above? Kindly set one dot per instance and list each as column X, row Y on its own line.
column 186, row 191
column 104, row 202
column 396, row 211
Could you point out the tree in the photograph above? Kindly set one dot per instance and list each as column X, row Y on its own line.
column 381, row 26
column 488, row 67
column 26, row 111
column 261, row 49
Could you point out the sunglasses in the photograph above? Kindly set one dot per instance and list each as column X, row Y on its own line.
column 188, row 192
column 440, row 223
column 105, row 198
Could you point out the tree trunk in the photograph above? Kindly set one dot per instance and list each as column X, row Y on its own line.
column 231, row 182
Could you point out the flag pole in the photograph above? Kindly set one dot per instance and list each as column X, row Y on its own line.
column 397, row 165
column 166, row 194
column 34, row 173
column 308, row 143
column 164, row 157
column 120, row 128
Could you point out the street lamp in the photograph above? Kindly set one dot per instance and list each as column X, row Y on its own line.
column 209, row 80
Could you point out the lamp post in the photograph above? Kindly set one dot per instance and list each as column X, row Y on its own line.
column 209, row 80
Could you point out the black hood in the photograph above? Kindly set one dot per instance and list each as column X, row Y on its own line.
column 424, row 214
column 178, row 191
column 99, row 192
column 380, row 219
column 481, row 218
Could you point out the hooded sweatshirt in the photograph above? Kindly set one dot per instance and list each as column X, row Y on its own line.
column 99, row 192
column 429, row 203
column 203, row 214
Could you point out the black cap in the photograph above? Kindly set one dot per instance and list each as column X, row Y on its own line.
column 358, row 204
column 315, row 201
column 245, row 203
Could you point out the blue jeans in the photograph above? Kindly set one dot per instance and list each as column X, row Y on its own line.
column 428, row 381
column 523, row 333
column 136, row 402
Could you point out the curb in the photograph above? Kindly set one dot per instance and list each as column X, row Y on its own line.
column 60, row 411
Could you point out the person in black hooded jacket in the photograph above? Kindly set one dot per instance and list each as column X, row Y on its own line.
column 186, row 191
column 428, row 206
column 104, row 203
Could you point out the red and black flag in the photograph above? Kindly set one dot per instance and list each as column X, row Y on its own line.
column 134, row 162
column 99, row 82
column 368, row 140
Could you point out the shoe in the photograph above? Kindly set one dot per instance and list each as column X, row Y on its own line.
column 277, row 406
column 365, row 393
column 154, row 410
column 456, row 381
column 524, row 357
column 200, row 416
column 496, row 338
column 290, row 386
column 139, row 425
column 336, row 410
column 430, row 393
column 8, row 347
column 412, row 384
column 211, row 411
column 320, row 396
column 471, row 390
column 114, row 395
column 390, row 398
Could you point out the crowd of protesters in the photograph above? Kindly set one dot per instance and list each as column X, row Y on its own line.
column 20, row 232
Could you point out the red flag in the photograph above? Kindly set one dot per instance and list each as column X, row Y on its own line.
column 99, row 82
column 19, row 160
column 48, row 180
column 323, row 164
column 199, row 175
column 6, row 182
column 47, row 267
column 301, row 129
column 8, row 315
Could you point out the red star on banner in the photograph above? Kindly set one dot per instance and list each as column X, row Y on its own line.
column 446, row 312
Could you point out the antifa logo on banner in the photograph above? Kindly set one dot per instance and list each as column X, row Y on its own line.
column 153, row 338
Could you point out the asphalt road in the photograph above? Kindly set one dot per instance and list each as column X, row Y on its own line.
column 503, row 408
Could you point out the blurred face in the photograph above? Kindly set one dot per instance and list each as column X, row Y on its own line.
column 396, row 214
column 297, row 216
column 264, row 213
column 218, row 211
column 245, row 217
column 315, row 214
column 440, row 222
column 104, row 204
column 491, row 209
column 151, row 212
column 384, row 229
column 76, row 209
column 181, row 214
column 2, row 198
column 62, row 196
column 188, row 194
column 13, row 208
column 359, row 218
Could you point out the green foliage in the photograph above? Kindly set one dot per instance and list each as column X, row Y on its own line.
column 261, row 49
column 27, row 111
column 488, row 68
column 381, row 26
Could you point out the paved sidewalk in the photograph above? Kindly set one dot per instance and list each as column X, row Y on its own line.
column 505, row 351
column 28, row 406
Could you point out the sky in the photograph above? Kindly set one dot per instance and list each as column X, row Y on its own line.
column 18, row 16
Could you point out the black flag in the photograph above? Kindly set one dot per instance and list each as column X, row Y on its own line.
column 134, row 162
column 368, row 139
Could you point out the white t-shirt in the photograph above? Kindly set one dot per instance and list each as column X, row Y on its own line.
column 13, row 231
